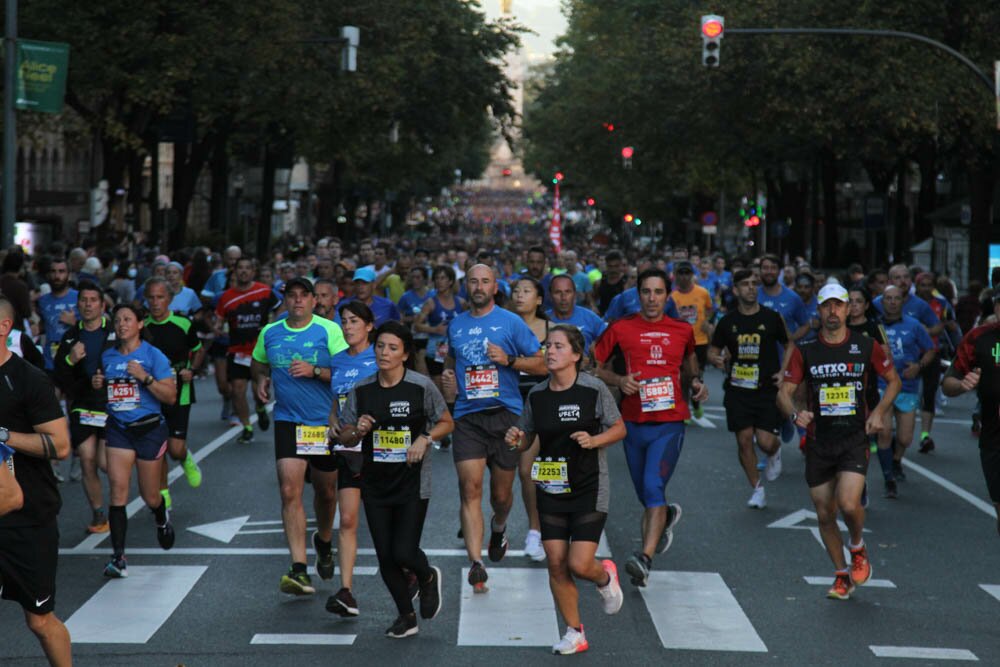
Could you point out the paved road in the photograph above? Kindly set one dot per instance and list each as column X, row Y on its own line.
column 733, row 590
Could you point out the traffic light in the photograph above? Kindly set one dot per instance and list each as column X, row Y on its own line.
column 557, row 178
column 627, row 153
column 590, row 201
column 750, row 213
column 712, row 28
column 610, row 127
column 628, row 218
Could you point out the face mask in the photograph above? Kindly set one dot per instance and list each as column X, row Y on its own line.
column 132, row 272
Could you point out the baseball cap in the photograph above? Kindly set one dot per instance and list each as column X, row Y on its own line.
column 683, row 265
column 365, row 274
column 832, row 292
column 299, row 281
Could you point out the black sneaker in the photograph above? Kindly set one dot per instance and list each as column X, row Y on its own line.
column 498, row 545
column 405, row 626
column 897, row 471
column 343, row 604
column 116, row 568
column 637, row 567
column 324, row 557
column 891, row 490
column 478, row 577
column 927, row 445
column 430, row 595
column 165, row 535
column 246, row 436
column 263, row 419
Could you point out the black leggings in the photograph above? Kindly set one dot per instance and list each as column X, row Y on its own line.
column 931, row 376
column 396, row 531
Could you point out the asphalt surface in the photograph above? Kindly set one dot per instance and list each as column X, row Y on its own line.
column 934, row 546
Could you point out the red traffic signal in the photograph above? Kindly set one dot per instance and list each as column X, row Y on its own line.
column 590, row 201
column 752, row 221
column 610, row 127
column 628, row 217
column 711, row 27
column 559, row 176
column 627, row 152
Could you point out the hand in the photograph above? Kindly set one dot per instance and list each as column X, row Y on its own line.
column 185, row 374
column 803, row 418
column 875, row 423
column 365, row 425
column 700, row 390
column 300, row 369
column 778, row 379
column 416, row 451
column 496, row 354
column 67, row 317
column 513, row 437
column 262, row 389
column 97, row 381
column 77, row 352
column 448, row 380
column 136, row 370
column 584, row 439
column 718, row 360
column 912, row 371
column 629, row 383
column 971, row 380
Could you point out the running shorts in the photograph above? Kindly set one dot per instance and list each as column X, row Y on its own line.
column 651, row 451
column 824, row 460
column 480, row 435
column 284, row 448
column 752, row 409
column 28, row 556
column 573, row 526
column 149, row 446
column 79, row 432
column 178, row 417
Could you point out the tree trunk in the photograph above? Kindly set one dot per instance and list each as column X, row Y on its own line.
column 219, row 165
column 266, row 203
column 982, row 184
column 189, row 159
column 828, row 187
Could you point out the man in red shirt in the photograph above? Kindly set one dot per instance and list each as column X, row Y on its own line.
column 661, row 369
column 837, row 366
column 245, row 309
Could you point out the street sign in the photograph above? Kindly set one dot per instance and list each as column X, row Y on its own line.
column 709, row 219
column 709, row 229
column 875, row 212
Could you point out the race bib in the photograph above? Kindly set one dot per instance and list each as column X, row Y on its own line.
column 656, row 394
column 123, row 395
column 744, row 377
column 242, row 360
column 341, row 401
column 441, row 351
column 93, row 418
column 311, row 441
column 550, row 476
column 482, row 381
column 389, row 445
column 53, row 348
column 836, row 401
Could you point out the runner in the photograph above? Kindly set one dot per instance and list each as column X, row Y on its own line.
column 930, row 376
column 364, row 291
column 410, row 305
column 835, row 367
column 139, row 381
column 575, row 418
column 58, row 310
column 661, row 367
column 174, row 335
column 694, row 306
column 326, row 298
column 562, row 294
column 35, row 429
column 77, row 360
column 771, row 294
column 245, row 308
column 612, row 281
column 487, row 346
column 745, row 348
column 294, row 355
column 394, row 416
column 347, row 367
column 217, row 284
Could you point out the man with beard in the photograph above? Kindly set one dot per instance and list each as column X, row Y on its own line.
column 612, row 281
column 779, row 298
column 326, row 298
column 57, row 310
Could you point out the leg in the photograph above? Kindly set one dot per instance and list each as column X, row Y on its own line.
column 324, row 502
column 748, row 455
column 177, row 448
column 221, row 383
column 848, row 489
column 501, row 493
column 53, row 636
column 825, row 500
column 408, row 524
column 768, row 442
column 905, row 423
column 561, row 583
column 528, row 491
column 662, row 455
column 149, row 481
column 88, row 451
column 240, row 404
column 930, row 381
column 382, row 529
column 654, row 521
column 119, row 476
column 470, row 489
column 291, row 479
column 347, row 537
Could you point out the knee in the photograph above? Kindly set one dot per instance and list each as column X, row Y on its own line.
column 290, row 493
column 849, row 505
column 578, row 566
column 348, row 520
column 471, row 490
column 38, row 623
column 558, row 568
column 826, row 513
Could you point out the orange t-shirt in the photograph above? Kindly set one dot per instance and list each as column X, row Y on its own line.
column 693, row 308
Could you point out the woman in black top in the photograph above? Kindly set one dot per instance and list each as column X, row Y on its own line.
column 395, row 414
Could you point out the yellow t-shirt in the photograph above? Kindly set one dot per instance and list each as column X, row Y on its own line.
column 693, row 308
column 394, row 287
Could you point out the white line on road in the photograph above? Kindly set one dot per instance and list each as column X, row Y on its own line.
column 992, row 589
column 696, row 610
column 517, row 611
column 251, row 551
column 827, row 581
column 923, row 653
column 976, row 502
column 130, row 611
column 307, row 640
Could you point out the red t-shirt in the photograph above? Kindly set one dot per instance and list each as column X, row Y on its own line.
column 656, row 351
column 246, row 312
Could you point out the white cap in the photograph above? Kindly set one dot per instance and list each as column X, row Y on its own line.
column 832, row 292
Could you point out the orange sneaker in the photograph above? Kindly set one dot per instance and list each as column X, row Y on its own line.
column 842, row 587
column 861, row 567
column 99, row 524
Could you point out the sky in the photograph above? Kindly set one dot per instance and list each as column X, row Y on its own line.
column 542, row 16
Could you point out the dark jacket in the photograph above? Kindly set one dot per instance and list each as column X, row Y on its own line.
column 74, row 379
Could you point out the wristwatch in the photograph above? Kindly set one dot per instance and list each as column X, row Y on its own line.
column 795, row 416
column 511, row 361
column 4, row 435
column 316, row 371
column 148, row 380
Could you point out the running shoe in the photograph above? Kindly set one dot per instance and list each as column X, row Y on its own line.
column 891, row 490
column 927, row 445
column 759, row 498
column 246, row 436
column 574, row 641
column 165, row 535
column 674, row 513
column 430, row 595
column 167, row 500
column 478, row 577
column 324, row 557
column 191, row 471
column 699, row 411
column 773, row 468
column 637, row 567
column 296, row 583
column 75, row 472
column 533, row 546
column 405, row 626
column 897, row 471
column 263, row 419
column 498, row 544
column 864, row 496
column 842, row 587
column 342, row 603
column 116, row 568
column 99, row 524
column 234, row 420
column 611, row 593
column 861, row 567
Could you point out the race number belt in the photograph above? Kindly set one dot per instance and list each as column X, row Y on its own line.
column 311, row 440
column 744, row 377
column 551, row 476
column 482, row 381
column 123, row 395
column 93, row 418
column 836, row 401
column 241, row 359
column 389, row 445
column 656, row 394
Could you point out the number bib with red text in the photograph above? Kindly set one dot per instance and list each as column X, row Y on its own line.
column 482, row 381
column 656, row 394
column 123, row 395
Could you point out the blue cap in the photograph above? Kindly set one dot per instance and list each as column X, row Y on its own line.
column 365, row 274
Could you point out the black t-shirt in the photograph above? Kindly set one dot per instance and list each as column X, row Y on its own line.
column 752, row 341
column 27, row 398
column 177, row 339
column 981, row 349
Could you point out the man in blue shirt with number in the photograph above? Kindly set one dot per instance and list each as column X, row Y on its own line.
column 562, row 293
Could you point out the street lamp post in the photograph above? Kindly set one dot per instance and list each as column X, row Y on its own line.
column 9, row 123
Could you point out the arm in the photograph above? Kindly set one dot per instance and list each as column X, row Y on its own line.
column 164, row 389
column 877, row 418
column 261, row 374
column 800, row 332
column 418, row 448
column 533, row 365
column 586, row 441
column 690, row 376
column 786, row 404
column 954, row 385
column 50, row 440
column 716, row 357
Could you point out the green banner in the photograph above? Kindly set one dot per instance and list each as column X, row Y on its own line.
column 41, row 75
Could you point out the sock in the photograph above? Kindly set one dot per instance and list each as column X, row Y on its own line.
column 323, row 545
column 924, row 435
column 855, row 547
column 841, row 572
column 98, row 511
column 119, row 526
column 160, row 512
column 885, row 462
column 299, row 568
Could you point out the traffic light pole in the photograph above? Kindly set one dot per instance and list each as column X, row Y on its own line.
column 9, row 124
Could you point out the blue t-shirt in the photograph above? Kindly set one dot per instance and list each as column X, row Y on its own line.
column 50, row 307
column 215, row 286
column 411, row 303
column 788, row 305
column 582, row 283
column 483, row 384
column 914, row 307
column 128, row 399
column 587, row 321
column 382, row 308
column 185, row 302
column 93, row 345
column 302, row 400
column 346, row 369
column 908, row 340
column 627, row 303
column 710, row 283
column 724, row 279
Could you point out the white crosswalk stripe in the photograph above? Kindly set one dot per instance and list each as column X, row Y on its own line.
column 517, row 610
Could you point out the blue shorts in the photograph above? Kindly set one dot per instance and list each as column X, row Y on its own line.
column 652, row 450
column 149, row 446
column 905, row 402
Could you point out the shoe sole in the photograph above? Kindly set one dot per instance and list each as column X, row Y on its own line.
column 537, row 557
column 576, row 649
column 638, row 578
column 437, row 610
column 99, row 530
column 837, row 596
column 408, row 633
column 668, row 532
column 116, row 575
column 292, row 587
column 170, row 539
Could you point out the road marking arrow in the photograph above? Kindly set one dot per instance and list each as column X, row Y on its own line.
column 223, row 531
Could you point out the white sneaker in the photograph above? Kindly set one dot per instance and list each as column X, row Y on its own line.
column 668, row 533
column 533, row 546
column 574, row 641
column 75, row 473
column 611, row 594
column 773, row 468
column 758, row 499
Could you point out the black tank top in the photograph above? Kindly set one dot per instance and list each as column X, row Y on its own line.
column 837, row 378
column 607, row 291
